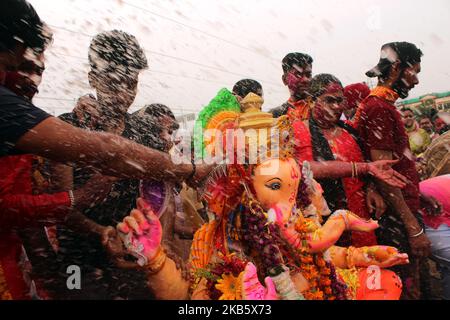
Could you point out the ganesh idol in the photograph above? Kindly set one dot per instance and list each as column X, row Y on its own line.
column 265, row 239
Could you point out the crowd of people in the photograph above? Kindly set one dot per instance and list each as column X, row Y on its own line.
column 97, row 188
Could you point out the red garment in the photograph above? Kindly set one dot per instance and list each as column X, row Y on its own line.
column 345, row 148
column 380, row 126
column 19, row 207
column 18, row 204
column 12, row 282
column 355, row 93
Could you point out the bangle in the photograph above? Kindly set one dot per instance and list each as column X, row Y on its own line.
column 341, row 214
column 72, row 199
column 157, row 263
column 194, row 170
column 356, row 170
column 275, row 271
column 353, row 168
column 416, row 235
column 350, row 258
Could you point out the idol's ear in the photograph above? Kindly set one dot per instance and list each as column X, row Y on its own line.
column 314, row 190
column 308, row 176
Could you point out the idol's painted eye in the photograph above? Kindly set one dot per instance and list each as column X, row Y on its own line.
column 274, row 186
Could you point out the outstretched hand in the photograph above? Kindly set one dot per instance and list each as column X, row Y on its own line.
column 141, row 233
column 382, row 170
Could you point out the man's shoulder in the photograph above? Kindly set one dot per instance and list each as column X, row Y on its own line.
column 9, row 97
column 16, row 106
column 375, row 106
column 280, row 110
column 377, row 102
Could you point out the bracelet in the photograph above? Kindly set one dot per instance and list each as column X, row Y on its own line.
column 72, row 199
column 285, row 286
column 416, row 235
column 353, row 168
column 157, row 263
column 350, row 258
column 356, row 170
column 343, row 214
column 275, row 271
column 194, row 170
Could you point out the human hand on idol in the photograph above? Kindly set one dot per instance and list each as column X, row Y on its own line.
column 141, row 233
column 431, row 205
column 115, row 249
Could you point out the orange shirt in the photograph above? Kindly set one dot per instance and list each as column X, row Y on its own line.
column 299, row 111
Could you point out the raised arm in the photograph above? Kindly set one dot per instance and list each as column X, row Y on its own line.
column 111, row 154
column 381, row 170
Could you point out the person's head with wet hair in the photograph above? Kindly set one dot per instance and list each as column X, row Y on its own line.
column 327, row 93
column 158, row 124
column 297, row 73
column 20, row 28
column 320, row 84
column 243, row 87
column 116, row 59
column 398, row 67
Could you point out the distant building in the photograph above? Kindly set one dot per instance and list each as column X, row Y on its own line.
column 439, row 101
column 187, row 121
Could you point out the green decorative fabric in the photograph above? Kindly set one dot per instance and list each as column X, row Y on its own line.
column 223, row 101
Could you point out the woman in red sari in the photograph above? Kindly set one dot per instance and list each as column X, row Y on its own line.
column 325, row 141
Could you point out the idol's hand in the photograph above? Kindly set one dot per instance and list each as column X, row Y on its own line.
column 353, row 222
column 252, row 289
column 382, row 256
column 141, row 233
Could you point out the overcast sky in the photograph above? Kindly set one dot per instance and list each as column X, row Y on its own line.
column 196, row 47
